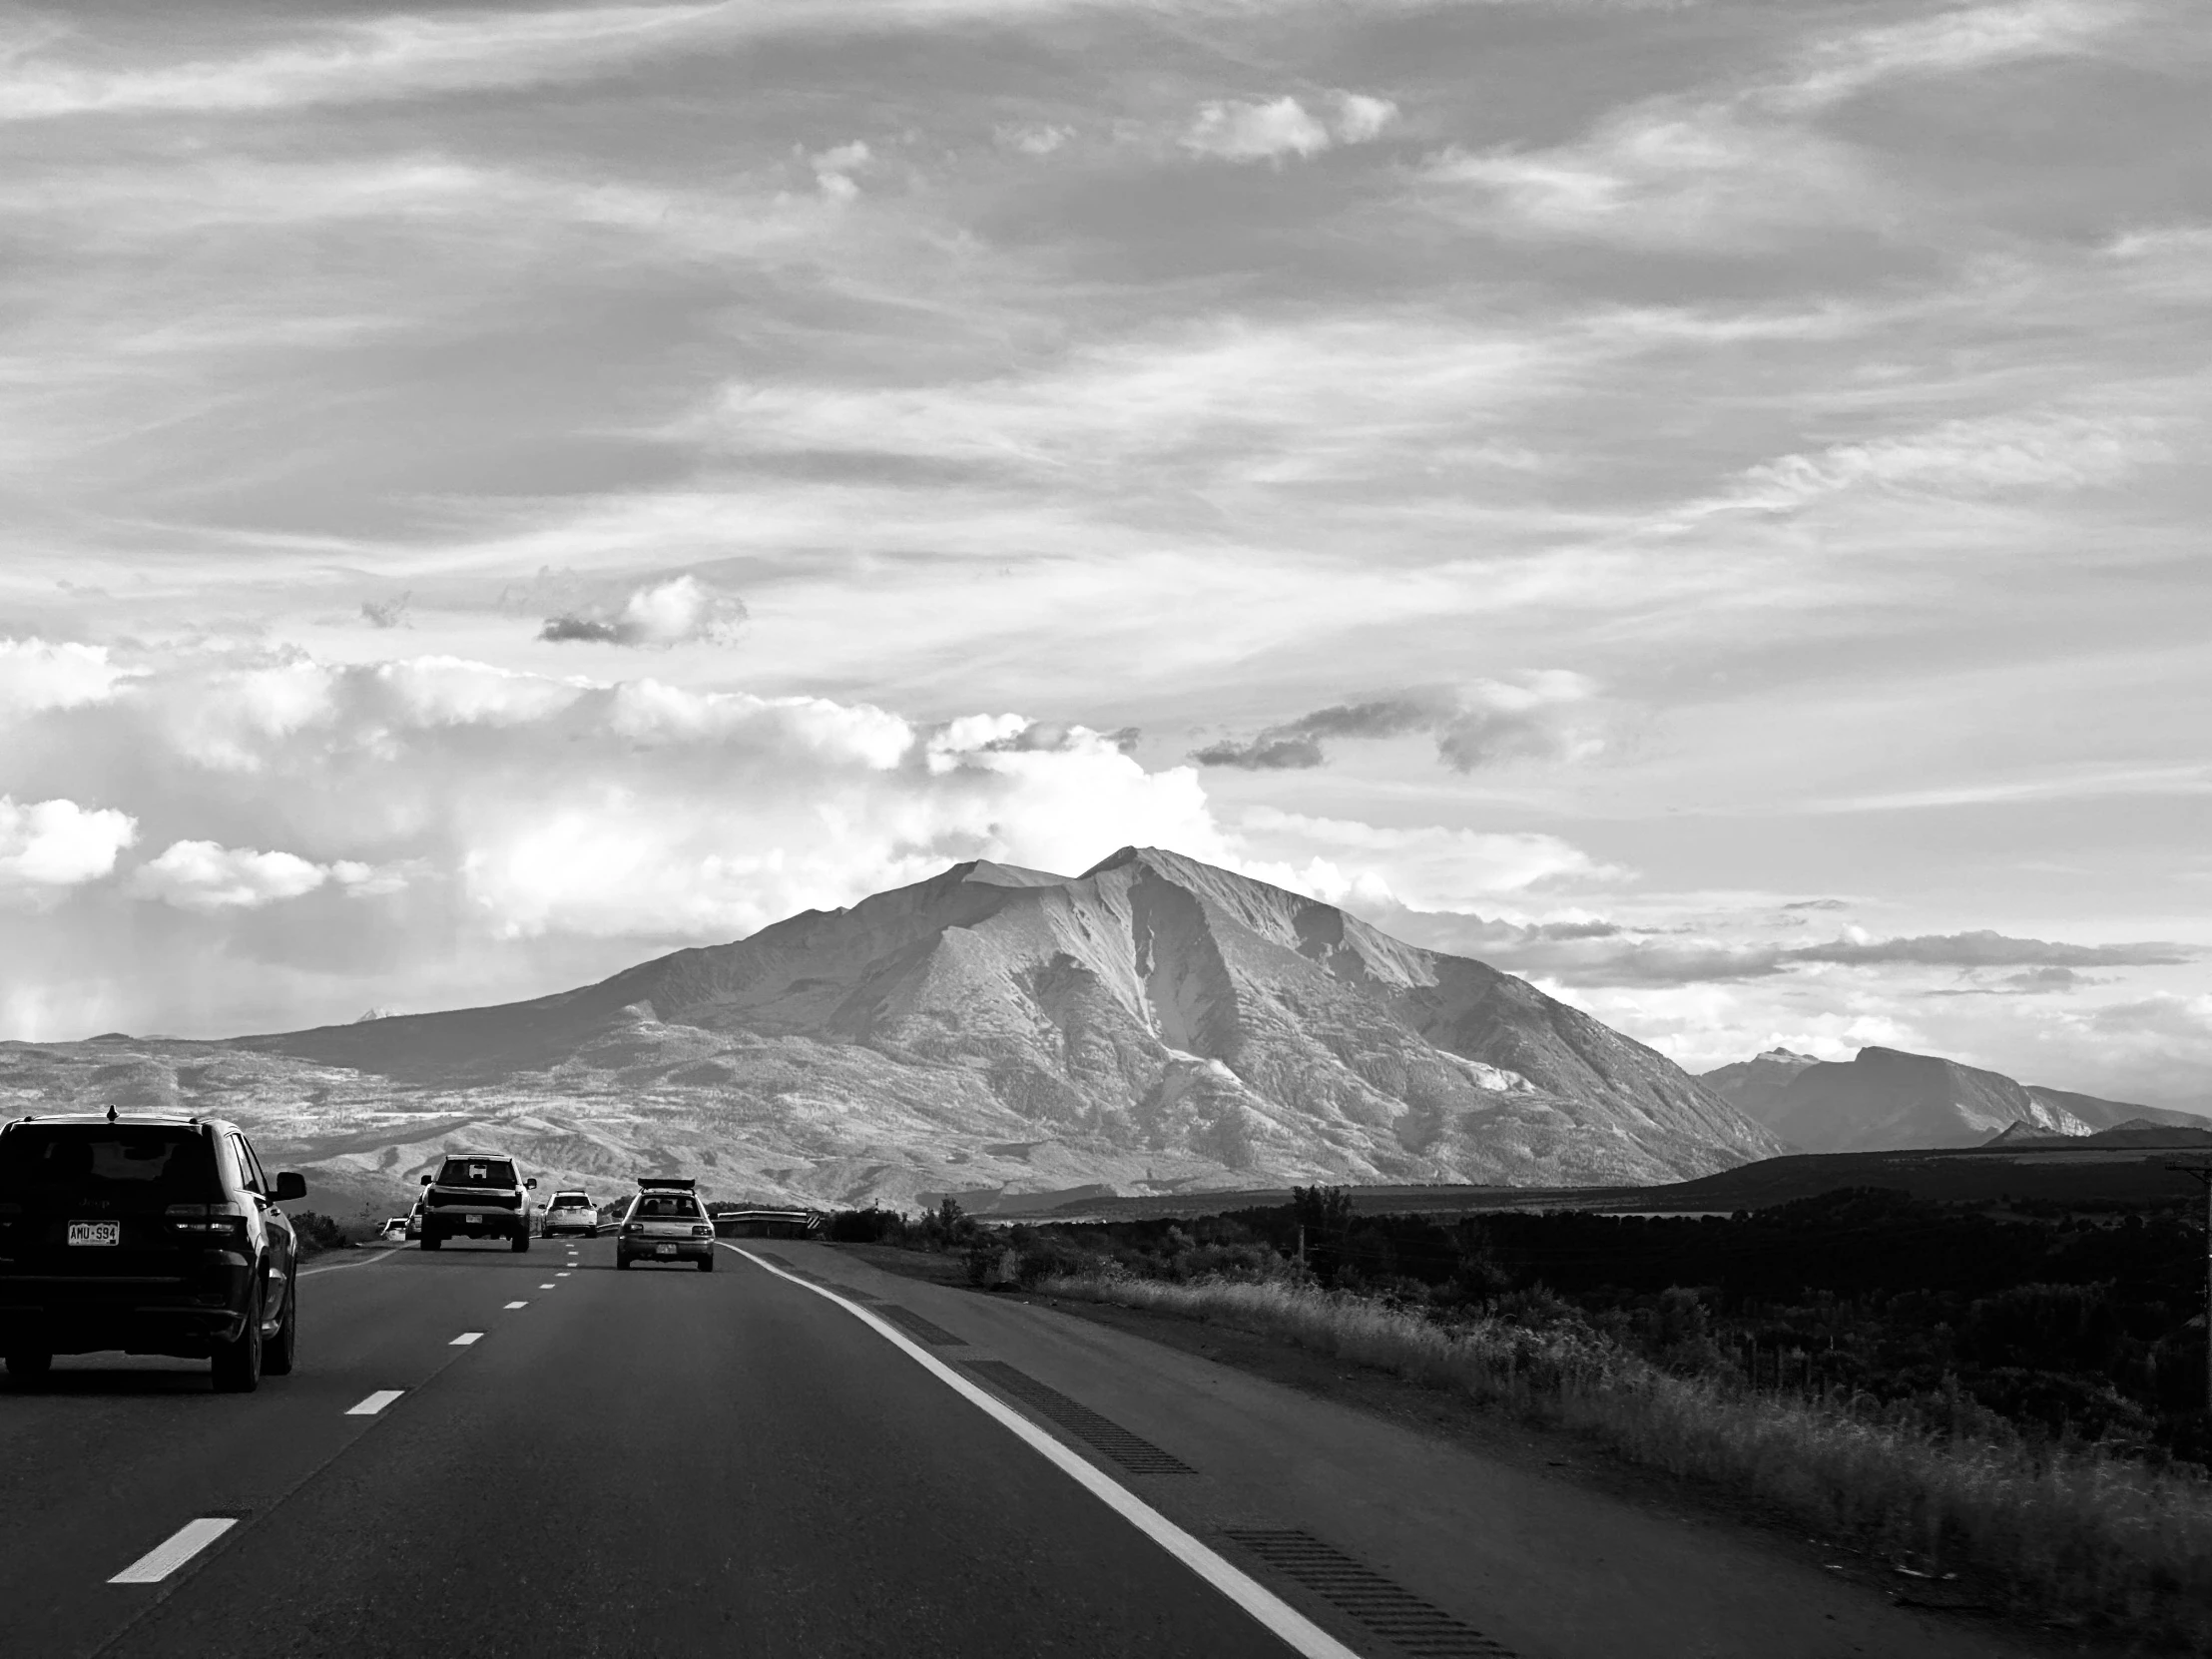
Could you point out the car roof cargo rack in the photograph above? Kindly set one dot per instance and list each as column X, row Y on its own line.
column 687, row 1183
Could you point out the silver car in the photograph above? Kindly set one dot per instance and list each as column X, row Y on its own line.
column 571, row 1212
column 666, row 1223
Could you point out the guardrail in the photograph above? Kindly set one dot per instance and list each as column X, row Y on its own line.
column 768, row 1224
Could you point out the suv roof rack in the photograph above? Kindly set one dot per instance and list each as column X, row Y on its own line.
column 688, row 1183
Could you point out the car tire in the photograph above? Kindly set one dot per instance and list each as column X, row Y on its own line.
column 281, row 1351
column 707, row 1263
column 622, row 1263
column 27, row 1366
column 236, row 1365
column 521, row 1243
column 431, row 1240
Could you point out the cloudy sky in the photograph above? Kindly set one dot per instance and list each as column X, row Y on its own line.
column 1701, row 504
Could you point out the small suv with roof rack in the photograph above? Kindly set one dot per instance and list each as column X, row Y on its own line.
column 152, row 1233
column 477, row 1194
column 666, row 1223
column 572, row 1210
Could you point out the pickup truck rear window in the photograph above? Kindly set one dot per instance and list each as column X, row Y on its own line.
column 129, row 1164
column 478, row 1172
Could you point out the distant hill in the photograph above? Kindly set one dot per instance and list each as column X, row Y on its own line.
column 1755, row 1086
column 1885, row 1097
column 1152, row 1025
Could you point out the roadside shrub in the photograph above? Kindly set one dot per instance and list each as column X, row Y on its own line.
column 317, row 1233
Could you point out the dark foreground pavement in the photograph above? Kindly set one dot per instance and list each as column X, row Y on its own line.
column 661, row 1462
column 665, row 1461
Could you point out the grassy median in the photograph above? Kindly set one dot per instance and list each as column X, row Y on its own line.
column 2067, row 1530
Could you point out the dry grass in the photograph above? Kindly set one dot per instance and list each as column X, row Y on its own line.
column 2069, row 1530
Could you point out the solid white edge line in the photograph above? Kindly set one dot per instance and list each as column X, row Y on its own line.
column 376, row 1402
column 1277, row 1615
column 165, row 1558
column 466, row 1339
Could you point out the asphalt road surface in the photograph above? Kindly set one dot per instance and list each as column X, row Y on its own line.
column 486, row 1453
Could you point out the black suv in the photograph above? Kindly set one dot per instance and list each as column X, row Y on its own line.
column 477, row 1194
column 149, row 1233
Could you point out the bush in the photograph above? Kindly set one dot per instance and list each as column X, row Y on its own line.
column 317, row 1233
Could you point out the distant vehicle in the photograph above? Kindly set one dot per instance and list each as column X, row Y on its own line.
column 153, row 1234
column 571, row 1212
column 666, row 1223
column 394, row 1230
column 477, row 1194
column 414, row 1220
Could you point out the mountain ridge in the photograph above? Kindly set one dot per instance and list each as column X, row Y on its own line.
column 1152, row 1023
column 1885, row 1098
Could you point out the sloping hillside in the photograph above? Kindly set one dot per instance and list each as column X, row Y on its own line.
column 1155, row 1024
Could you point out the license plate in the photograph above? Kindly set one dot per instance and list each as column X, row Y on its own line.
column 664, row 1249
column 96, row 1233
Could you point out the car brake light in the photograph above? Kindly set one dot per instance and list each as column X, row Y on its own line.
column 224, row 1222
column 703, row 1232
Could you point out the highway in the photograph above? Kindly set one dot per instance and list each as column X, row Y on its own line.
column 490, row 1454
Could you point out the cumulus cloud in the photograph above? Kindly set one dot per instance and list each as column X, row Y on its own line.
column 1032, row 138
column 385, row 612
column 488, row 805
column 1234, row 130
column 47, row 846
column 1546, row 718
column 206, row 876
column 834, row 166
column 37, row 674
column 681, row 611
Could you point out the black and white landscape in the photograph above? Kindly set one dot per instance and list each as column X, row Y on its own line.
column 1418, row 786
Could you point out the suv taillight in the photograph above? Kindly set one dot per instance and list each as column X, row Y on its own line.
column 703, row 1232
column 216, row 1223
column 635, row 1226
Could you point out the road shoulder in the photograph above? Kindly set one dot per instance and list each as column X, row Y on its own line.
column 1533, row 1451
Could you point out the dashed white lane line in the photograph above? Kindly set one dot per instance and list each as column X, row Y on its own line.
column 190, row 1539
column 549, row 1285
column 561, row 1275
column 374, row 1402
column 1286, row 1622
column 464, row 1338
column 518, row 1305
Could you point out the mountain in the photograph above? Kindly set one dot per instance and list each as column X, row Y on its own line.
column 1885, row 1097
column 2112, row 1114
column 1155, row 1024
column 1756, row 1085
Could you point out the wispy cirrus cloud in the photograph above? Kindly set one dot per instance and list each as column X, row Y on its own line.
column 393, row 57
column 1981, row 456
column 1745, row 166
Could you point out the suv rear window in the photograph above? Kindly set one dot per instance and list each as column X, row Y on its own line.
column 478, row 1172
column 668, row 1207
column 132, row 1164
column 570, row 1201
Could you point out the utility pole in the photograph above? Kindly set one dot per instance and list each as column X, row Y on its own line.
column 2201, row 1173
